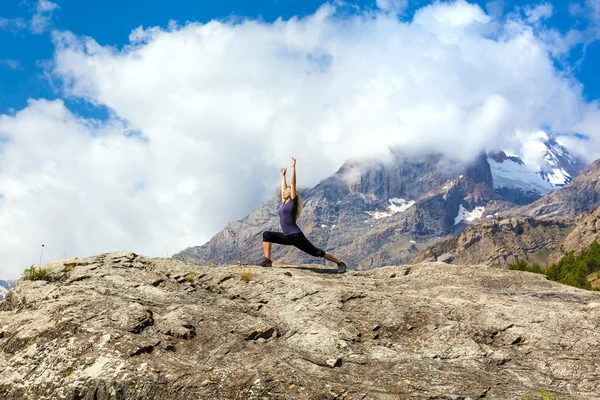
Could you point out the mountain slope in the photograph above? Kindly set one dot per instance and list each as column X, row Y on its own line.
column 372, row 214
column 564, row 220
column 580, row 195
column 585, row 231
column 500, row 242
column 125, row 326
column 368, row 213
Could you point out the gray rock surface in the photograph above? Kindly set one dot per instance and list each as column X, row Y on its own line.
column 122, row 326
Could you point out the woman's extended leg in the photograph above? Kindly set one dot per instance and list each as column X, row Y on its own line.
column 331, row 257
column 300, row 241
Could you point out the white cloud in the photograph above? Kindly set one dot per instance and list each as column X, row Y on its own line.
column 538, row 13
column 220, row 107
column 42, row 19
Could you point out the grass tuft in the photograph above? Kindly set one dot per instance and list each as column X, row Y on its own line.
column 34, row 274
column 247, row 275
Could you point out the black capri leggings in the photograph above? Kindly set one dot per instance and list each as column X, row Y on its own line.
column 295, row 239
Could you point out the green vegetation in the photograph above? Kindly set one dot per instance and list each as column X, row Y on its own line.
column 247, row 275
column 34, row 274
column 190, row 277
column 543, row 395
column 572, row 270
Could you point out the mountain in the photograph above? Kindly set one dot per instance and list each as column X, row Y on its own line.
column 5, row 287
column 564, row 220
column 585, row 231
column 501, row 241
column 373, row 214
column 369, row 213
column 550, row 167
column 123, row 326
column 581, row 194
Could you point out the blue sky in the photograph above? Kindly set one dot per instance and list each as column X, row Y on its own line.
column 110, row 22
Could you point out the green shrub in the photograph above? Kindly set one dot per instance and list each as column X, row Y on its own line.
column 544, row 395
column 572, row 270
column 523, row 266
column 190, row 277
column 34, row 274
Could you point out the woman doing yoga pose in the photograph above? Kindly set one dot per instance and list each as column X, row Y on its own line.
column 291, row 234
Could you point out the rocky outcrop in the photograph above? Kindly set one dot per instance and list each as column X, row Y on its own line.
column 580, row 195
column 121, row 326
column 586, row 231
column 499, row 242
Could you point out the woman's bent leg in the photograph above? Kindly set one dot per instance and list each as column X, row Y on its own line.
column 268, row 238
column 267, row 249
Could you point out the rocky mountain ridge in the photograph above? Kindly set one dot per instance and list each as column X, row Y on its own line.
column 499, row 242
column 580, row 195
column 121, row 325
column 369, row 213
column 373, row 214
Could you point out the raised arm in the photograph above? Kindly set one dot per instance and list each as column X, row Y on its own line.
column 283, row 182
column 293, row 180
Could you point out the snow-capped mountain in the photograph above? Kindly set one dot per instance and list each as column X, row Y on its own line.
column 560, row 167
column 5, row 287
column 543, row 166
column 373, row 213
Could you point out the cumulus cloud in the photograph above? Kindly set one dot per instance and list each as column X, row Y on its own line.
column 204, row 115
column 538, row 13
column 42, row 19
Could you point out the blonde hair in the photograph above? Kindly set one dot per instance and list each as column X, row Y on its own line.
column 299, row 209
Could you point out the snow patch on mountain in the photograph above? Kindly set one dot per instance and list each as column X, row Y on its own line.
column 396, row 205
column 510, row 173
column 552, row 161
column 465, row 215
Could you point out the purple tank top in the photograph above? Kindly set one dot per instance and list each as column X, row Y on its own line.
column 287, row 217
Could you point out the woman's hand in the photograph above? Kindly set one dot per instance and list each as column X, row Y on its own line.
column 283, row 171
column 293, row 162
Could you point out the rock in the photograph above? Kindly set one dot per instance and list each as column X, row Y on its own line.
column 500, row 242
column 444, row 330
column 133, row 318
column 262, row 333
column 580, row 195
column 446, row 258
column 586, row 230
column 334, row 362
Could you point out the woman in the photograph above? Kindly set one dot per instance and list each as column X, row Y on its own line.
column 291, row 234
